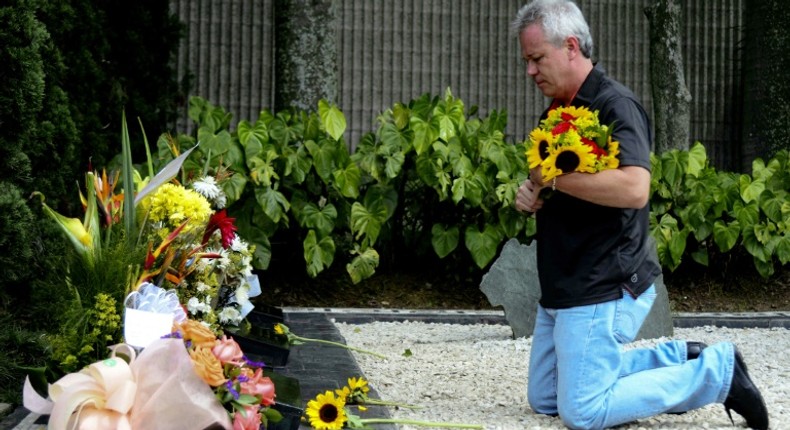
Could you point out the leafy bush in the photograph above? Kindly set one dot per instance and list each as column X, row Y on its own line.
column 696, row 210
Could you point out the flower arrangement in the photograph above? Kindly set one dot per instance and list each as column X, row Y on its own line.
column 571, row 139
column 189, row 368
column 238, row 382
column 330, row 411
column 196, row 275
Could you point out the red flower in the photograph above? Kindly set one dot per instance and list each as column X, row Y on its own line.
column 220, row 221
column 597, row 150
column 562, row 128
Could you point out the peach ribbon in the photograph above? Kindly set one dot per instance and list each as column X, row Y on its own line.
column 99, row 396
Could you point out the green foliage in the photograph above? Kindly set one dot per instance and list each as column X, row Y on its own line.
column 428, row 172
column 19, row 350
column 697, row 210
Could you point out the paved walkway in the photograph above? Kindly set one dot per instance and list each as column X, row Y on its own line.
column 320, row 367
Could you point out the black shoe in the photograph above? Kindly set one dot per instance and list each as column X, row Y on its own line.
column 694, row 349
column 744, row 397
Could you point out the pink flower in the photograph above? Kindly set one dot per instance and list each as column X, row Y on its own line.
column 251, row 422
column 259, row 385
column 228, row 351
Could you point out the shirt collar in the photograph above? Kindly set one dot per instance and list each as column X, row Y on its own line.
column 589, row 88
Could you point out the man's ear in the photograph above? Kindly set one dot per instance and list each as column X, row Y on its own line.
column 572, row 45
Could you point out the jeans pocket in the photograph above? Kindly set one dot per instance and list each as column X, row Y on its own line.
column 631, row 313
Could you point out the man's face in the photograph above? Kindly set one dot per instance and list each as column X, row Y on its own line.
column 547, row 64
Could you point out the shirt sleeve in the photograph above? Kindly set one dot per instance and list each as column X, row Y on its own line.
column 631, row 130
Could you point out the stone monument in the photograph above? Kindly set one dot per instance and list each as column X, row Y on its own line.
column 512, row 282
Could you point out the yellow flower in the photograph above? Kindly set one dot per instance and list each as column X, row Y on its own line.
column 173, row 204
column 358, row 385
column 326, row 412
column 279, row 329
column 207, row 366
column 540, row 142
column 610, row 160
column 574, row 156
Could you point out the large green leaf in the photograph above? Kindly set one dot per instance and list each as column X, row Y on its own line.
column 321, row 219
column 726, row 235
column 332, row 119
column 697, row 159
column 347, row 180
column 482, row 244
column 368, row 220
column 673, row 166
column 750, row 190
column 273, row 203
column 283, row 133
column 424, row 134
column 363, row 265
column 323, row 154
column 393, row 138
column 318, row 254
column 754, row 246
column 444, row 240
column 782, row 250
column 233, row 187
column 259, row 131
column 748, row 215
column 771, row 204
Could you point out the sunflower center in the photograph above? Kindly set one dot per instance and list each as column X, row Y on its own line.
column 543, row 149
column 328, row 413
column 568, row 161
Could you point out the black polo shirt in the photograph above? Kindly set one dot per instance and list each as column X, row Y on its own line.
column 589, row 253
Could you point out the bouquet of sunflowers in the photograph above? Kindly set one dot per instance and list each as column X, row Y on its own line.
column 571, row 139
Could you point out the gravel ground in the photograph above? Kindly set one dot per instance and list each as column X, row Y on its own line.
column 477, row 374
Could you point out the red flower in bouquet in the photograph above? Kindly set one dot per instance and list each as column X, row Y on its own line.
column 220, row 221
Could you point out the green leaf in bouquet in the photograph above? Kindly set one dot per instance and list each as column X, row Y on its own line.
column 444, row 240
column 164, row 176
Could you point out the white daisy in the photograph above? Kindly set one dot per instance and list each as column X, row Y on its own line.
column 207, row 186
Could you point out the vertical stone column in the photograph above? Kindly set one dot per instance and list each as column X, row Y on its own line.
column 305, row 53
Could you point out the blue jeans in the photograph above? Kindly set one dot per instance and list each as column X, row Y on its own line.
column 579, row 371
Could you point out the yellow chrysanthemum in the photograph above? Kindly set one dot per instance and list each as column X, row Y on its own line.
column 326, row 412
column 540, row 142
column 580, row 114
column 172, row 204
column 571, row 157
column 279, row 329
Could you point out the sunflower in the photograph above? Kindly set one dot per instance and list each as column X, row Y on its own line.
column 326, row 412
column 573, row 156
column 610, row 160
column 540, row 142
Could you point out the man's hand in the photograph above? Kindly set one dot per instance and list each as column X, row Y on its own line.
column 528, row 197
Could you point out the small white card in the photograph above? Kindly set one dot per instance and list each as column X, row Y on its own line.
column 140, row 328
